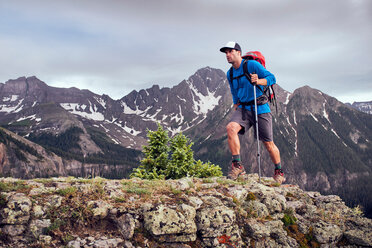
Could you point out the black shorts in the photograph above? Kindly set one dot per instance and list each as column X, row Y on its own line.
column 265, row 124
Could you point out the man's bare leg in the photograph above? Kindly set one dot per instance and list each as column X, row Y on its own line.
column 237, row 169
column 273, row 151
column 232, row 137
column 275, row 157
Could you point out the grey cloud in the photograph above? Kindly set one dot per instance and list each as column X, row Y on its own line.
column 133, row 44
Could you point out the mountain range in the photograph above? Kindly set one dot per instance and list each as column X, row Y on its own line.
column 325, row 145
column 365, row 107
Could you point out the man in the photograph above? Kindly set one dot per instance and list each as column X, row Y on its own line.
column 244, row 117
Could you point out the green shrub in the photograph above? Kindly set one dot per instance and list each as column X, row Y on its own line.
column 288, row 218
column 171, row 158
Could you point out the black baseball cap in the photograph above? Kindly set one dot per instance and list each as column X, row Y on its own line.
column 231, row 45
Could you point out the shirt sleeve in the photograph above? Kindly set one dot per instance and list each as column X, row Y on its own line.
column 256, row 68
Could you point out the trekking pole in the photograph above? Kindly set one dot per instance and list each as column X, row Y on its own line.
column 257, row 134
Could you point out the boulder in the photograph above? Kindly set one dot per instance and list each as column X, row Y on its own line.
column 178, row 223
column 17, row 210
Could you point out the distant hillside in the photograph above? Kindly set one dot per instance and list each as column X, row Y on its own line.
column 60, row 156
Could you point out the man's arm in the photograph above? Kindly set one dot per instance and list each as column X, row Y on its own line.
column 258, row 81
column 260, row 75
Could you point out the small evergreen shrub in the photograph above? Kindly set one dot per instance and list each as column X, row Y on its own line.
column 171, row 158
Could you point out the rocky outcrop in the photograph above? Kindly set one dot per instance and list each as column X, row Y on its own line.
column 189, row 212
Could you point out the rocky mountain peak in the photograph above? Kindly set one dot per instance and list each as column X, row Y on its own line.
column 308, row 100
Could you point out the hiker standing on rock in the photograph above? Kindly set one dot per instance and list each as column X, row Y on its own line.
column 244, row 117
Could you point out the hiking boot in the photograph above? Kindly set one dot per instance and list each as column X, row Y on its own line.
column 237, row 170
column 279, row 176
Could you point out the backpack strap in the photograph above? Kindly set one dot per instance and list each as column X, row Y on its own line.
column 231, row 77
column 248, row 76
column 266, row 88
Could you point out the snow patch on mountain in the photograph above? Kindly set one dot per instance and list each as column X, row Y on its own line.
column 205, row 103
column 11, row 109
column 325, row 114
column 31, row 117
column 314, row 117
column 12, row 98
column 127, row 129
column 100, row 101
column 77, row 109
column 129, row 111
column 152, row 117
column 295, row 132
column 333, row 131
column 294, row 118
column 287, row 98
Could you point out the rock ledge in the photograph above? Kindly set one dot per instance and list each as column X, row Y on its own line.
column 185, row 213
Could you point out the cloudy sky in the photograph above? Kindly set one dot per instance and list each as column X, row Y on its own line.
column 115, row 46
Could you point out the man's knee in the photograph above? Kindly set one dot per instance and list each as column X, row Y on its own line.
column 233, row 128
column 270, row 146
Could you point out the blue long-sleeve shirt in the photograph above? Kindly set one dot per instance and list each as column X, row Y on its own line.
column 242, row 89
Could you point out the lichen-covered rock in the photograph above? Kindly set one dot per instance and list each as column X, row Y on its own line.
column 45, row 239
column 113, row 189
column 359, row 231
column 17, row 210
column 42, row 190
column 326, row 233
column 196, row 202
column 54, row 201
column 275, row 203
column 216, row 224
column 100, row 209
column 261, row 190
column 176, row 221
column 181, row 184
column 256, row 208
column 128, row 244
column 108, row 243
column 37, row 227
column 238, row 191
column 269, row 234
column 211, row 200
column 296, row 205
column 359, row 237
column 37, row 211
column 74, row 244
column 257, row 230
column 213, row 213
column 13, row 230
column 126, row 225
